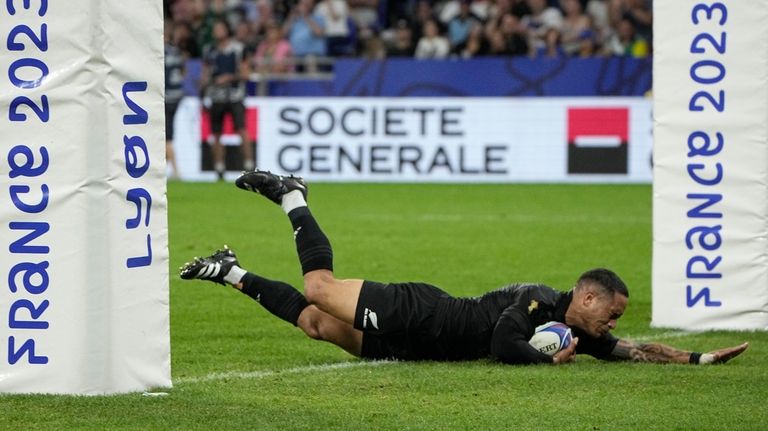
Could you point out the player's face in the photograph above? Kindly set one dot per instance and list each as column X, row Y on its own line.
column 603, row 312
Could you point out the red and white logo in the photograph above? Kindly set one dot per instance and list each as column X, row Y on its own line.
column 597, row 140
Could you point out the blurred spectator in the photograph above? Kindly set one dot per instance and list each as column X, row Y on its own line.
column 539, row 21
column 587, row 44
column 233, row 11
column 365, row 14
column 250, row 9
column 476, row 44
column 259, row 14
column 518, row 8
column 637, row 12
column 597, row 10
column 450, row 9
column 552, row 47
column 501, row 8
column 509, row 38
column 432, row 44
column 497, row 45
column 399, row 10
column 423, row 14
column 199, row 31
column 184, row 39
column 335, row 13
column 273, row 55
column 481, row 9
column 575, row 22
column 174, row 88
column 244, row 35
column 460, row 26
column 216, row 10
column 179, row 10
column 626, row 41
column 223, row 80
column 447, row 10
column 373, row 48
column 402, row 43
column 306, row 32
column 473, row 27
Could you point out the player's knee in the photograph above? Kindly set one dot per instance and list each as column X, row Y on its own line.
column 317, row 286
column 312, row 331
column 309, row 322
column 319, row 329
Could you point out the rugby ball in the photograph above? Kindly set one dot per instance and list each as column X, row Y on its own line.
column 551, row 338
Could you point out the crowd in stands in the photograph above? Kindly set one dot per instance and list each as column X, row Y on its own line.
column 231, row 40
column 280, row 35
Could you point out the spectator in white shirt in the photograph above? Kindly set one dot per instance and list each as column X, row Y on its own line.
column 541, row 19
column 432, row 44
column 335, row 13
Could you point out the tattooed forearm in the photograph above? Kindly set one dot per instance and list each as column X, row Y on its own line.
column 650, row 352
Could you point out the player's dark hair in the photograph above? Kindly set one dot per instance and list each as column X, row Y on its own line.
column 606, row 279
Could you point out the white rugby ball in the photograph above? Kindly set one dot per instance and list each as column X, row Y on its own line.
column 551, row 338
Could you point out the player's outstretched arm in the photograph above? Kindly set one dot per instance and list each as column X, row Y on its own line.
column 661, row 353
column 722, row 356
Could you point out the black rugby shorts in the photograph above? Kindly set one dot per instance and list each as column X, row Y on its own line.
column 398, row 320
column 218, row 109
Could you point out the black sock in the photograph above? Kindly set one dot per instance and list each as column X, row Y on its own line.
column 311, row 243
column 279, row 298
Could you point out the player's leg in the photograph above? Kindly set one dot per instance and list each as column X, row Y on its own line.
column 280, row 299
column 319, row 325
column 222, row 267
column 217, row 126
column 246, row 150
column 336, row 297
column 170, row 113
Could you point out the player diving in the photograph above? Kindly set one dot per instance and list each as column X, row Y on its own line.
column 419, row 321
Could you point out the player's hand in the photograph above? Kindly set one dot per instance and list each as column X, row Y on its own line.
column 723, row 355
column 566, row 355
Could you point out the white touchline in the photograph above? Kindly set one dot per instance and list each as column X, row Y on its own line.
column 663, row 335
column 268, row 373
column 238, row 375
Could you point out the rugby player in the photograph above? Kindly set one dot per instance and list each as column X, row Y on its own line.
column 417, row 321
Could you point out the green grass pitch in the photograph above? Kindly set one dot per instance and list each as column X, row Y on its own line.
column 237, row 367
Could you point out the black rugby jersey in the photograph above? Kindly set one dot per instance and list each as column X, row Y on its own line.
column 500, row 323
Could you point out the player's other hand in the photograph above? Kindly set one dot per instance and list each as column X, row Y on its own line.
column 723, row 355
column 566, row 355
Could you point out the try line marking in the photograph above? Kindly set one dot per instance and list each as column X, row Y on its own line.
column 661, row 336
column 269, row 373
column 237, row 375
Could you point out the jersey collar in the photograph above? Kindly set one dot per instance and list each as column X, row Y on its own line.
column 562, row 306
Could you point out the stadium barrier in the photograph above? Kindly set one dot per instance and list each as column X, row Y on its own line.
column 85, row 308
column 477, row 77
column 710, row 266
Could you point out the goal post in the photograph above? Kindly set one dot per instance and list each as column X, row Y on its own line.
column 710, row 186
column 84, row 309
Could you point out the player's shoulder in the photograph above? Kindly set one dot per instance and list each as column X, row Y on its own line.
column 543, row 289
column 534, row 288
column 544, row 294
column 526, row 292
